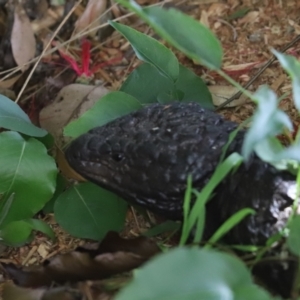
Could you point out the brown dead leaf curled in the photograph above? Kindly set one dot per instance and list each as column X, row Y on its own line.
column 250, row 17
column 84, row 264
column 221, row 93
column 71, row 102
column 22, row 38
column 91, row 16
column 8, row 83
column 141, row 245
column 13, row 292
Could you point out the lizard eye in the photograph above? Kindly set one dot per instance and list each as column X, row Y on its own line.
column 117, row 156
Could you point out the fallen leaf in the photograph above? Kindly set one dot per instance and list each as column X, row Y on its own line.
column 85, row 264
column 22, row 38
column 13, row 292
column 8, row 83
column 52, row 16
column 251, row 17
column 221, row 93
column 91, row 16
column 141, row 245
column 218, row 9
column 71, row 102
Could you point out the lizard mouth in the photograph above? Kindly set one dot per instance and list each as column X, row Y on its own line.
column 80, row 158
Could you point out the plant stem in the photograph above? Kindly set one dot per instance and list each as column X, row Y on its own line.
column 236, row 84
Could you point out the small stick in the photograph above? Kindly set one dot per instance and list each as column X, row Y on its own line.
column 261, row 70
column 45, row 50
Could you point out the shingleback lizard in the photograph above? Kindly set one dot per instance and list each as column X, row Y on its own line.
column 145, row 157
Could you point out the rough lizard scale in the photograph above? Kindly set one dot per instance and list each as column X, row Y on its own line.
column 146, row 156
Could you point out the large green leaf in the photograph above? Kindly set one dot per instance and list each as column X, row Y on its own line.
column 292, row 67
column 18, row 232
column 268, row 120
column 27, row 171
column 88, row 211
column 193, row 274
column 13, row 117
column 108, row 108
column 149, row 86
column 283, row 158
column 145, row 83
column 61, row 184
column 193, row 88
column 183, row 32
column 151, row 51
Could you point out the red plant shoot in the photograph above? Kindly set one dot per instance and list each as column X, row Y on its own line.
column 84, row 70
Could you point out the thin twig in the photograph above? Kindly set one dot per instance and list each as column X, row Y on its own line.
column 268, row 63
column 63, row 44
column 234, row 33
column 45, row 49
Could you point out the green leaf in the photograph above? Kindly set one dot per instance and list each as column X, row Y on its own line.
column 292, row 67
column 223, row 169
column 186, row 211
column 193, row 87
column 183, row 32
column 149, row 86
column 13, row 117
column 268, row 120
column 41, row 226
column 192, row 274
column 145, row 83
column 47, row 141
column 108, row 108
column 19, row 232
column 151, row 51
column 229, row 224
column 163, row 228
column 16, row 233
column 61, row 183
column 27, row 171
column 269, row 149
column 239, row 13
column 6, row 206
column 294, row 235
column 88, row 211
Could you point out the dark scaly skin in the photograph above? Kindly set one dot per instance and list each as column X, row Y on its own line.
column 146, row 156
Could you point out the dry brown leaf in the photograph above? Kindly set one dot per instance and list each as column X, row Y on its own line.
column 217, row 9
column 114, row 255
column 8, row 83
column 204, row 18
column 221, row 93
column 250, row 17
column 71, row 102
column 22, row 38
column 13, row 292
column 244, row 66
column 92, row 12
column 52, row 17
